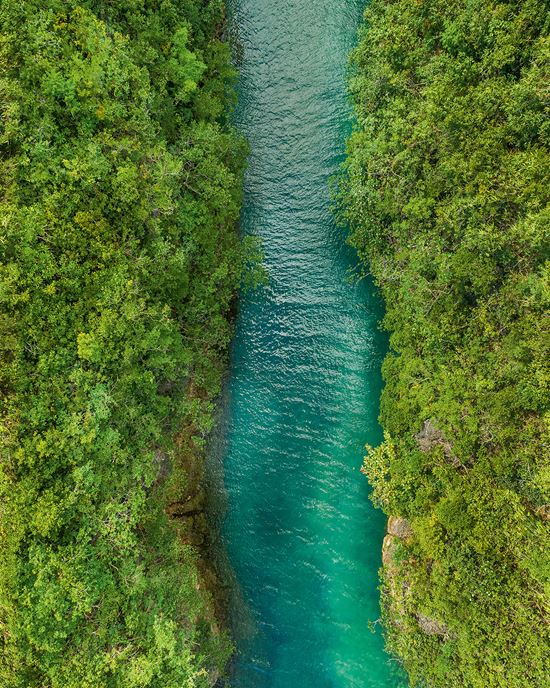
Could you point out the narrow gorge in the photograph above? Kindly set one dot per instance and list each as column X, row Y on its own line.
column 302, row 536
column 275, row 363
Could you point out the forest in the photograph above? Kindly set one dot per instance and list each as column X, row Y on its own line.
column 121, row 182
column 119, row 261
column 446, row 188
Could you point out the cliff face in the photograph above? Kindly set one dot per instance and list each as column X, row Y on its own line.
column 185, row 498
column 400, row 595
column 187, row 506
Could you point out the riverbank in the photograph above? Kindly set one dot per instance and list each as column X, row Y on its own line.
column 192, row 504
column 447, row 194
column 119, row 260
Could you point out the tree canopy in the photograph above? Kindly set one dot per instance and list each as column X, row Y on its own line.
column 446, row 189
column 119, row 259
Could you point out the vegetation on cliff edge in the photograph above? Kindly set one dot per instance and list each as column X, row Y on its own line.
column 447, row 189
column 119, row 259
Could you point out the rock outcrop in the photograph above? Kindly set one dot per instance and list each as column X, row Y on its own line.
column 388, row 550
column 430, row 436
column 399, row 527
column 433, row 627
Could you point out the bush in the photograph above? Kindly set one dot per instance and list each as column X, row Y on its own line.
column 446, row 191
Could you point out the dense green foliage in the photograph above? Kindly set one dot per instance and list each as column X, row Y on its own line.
column 119, row 261
column 447, row 188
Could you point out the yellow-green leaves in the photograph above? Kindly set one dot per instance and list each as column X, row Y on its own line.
column 184, row 69
column 447, row 194
column 119, row 258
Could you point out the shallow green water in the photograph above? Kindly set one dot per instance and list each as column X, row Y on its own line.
column 302, row 537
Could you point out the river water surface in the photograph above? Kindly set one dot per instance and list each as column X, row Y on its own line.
column 302, row 537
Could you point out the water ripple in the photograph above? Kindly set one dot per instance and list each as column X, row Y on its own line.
column 301, row 535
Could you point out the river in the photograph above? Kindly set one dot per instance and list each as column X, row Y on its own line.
column 302, row 400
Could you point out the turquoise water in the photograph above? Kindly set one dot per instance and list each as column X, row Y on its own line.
column 301, row 535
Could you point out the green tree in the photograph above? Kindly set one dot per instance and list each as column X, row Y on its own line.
column 119, row 261
column 446, row 190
